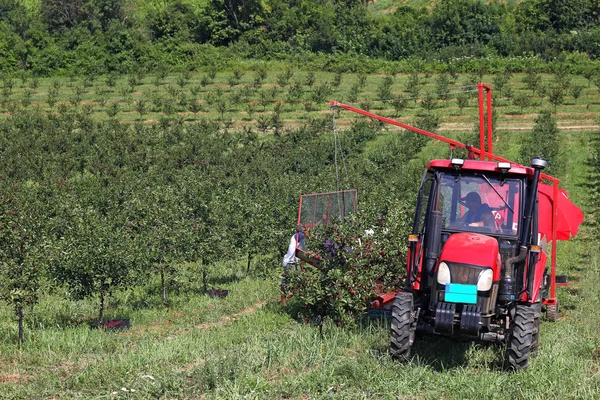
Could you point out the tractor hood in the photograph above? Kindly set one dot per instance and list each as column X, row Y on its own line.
column 473, row 249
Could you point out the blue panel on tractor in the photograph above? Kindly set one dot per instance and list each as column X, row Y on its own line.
column 459, row 293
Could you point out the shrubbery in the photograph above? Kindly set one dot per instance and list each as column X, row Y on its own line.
column 109, row 35
column 132, row 200
column 354, row 265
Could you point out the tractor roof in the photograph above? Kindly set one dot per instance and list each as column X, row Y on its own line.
column 479, row 165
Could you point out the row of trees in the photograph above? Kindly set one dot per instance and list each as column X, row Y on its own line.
column 94, row 207
column 269, row 100
column 96, row 36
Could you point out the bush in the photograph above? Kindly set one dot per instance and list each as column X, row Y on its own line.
column 355, row 264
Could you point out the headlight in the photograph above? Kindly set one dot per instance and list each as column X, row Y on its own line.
column 485, row 280
column 443, row 275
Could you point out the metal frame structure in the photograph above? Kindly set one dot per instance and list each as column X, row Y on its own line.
column 329, row 195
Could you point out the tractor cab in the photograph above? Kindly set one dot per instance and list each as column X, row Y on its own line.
column 469, row 212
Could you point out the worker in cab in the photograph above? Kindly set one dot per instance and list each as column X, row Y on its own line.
column 479, row 215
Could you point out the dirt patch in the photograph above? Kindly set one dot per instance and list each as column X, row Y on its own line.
column 13, row 378
column 230, row 318
column 192, row 365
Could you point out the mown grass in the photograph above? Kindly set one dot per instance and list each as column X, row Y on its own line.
column 247, row 346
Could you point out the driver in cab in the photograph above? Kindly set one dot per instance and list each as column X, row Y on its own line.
column 478, row 215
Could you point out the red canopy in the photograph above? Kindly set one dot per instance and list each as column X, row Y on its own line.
column 569, row 215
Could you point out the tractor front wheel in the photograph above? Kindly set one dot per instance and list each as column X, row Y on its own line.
column 521, row 337
column 402, row 332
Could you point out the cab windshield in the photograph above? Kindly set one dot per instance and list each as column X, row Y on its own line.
column 480, row 203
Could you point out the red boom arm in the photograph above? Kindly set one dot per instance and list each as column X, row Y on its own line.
column 485, row 102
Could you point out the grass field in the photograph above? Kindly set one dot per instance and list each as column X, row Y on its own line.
column 246, row 345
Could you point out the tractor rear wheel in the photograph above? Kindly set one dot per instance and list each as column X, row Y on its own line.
column 552, row 312
column 402, row 333
column 521, row 337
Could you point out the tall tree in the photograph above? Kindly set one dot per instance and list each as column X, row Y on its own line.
column 543, row 141
column 24, row 212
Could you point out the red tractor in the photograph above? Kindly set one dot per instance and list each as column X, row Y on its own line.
column 476, row 265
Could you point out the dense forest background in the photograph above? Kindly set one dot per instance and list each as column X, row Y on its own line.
column 47, row 37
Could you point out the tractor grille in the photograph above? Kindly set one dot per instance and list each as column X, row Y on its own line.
column 465, row 274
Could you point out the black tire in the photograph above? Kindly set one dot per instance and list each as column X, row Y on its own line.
column 402, row 333
column 537, row 310
column 520, row 338
column 552, row 312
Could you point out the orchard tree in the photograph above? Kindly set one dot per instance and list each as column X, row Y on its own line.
column 354, row 262
column 24, row 211
column 98, row 252
column 442, row 87
column 208, row 232
column 522, row 101
column 543, row 141
column 576, row 91
column 169, row 230
column 556, row 96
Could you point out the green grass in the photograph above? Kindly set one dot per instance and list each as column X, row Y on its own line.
column 214, row 349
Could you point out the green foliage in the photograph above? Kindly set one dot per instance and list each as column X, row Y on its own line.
column 97, row 37
column 463, row 22
column 283, row 78
column 561, row 16
column 24, row 241
column 413, row 86
column 522, row 101
column 429, row 102
column 442, row 87
column 399, row 105
column 576, row 91
column 462, row 101
column 384, row 89
column 543, row 141
column 556, row 96
column 320, row 93
column 353, row 267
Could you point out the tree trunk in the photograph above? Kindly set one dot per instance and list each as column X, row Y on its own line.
column 248, row 266
column 20, row 321
column 101, row 313
column 164, row 288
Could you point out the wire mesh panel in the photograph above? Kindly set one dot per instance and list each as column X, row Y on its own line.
column 326, row 208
